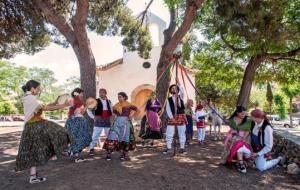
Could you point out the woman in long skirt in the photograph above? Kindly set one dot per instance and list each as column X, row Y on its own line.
column 78, row 126
column 153, row 107
column 41, row 139
column 121, row 136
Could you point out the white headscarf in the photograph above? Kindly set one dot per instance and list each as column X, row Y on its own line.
column 31, row 105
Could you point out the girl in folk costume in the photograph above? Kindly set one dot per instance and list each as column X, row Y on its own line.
column 189, row 116
column 237, row 142
column 41, row 139
column 178, row 120
column 78, row 126
column 102, row 118
column 121, row 136
column 262, row 141
column 200, row 121
column 153, row 108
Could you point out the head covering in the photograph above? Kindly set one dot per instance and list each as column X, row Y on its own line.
column 199, row 106
column 257, row 113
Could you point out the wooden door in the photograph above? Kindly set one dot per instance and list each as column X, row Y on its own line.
column 140, row 101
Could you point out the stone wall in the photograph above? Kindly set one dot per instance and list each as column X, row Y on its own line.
column 288, row 144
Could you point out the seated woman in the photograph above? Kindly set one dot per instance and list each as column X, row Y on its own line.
column 121, row 136
column 262, row 141
column 153, row 107
column 237, row 142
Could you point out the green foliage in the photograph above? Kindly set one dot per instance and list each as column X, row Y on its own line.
column 26, row 29
column 12, row 77
column 217, row 78
column 281, row 108
column 7, row 108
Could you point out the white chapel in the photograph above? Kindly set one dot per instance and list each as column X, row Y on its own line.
column 137, row 76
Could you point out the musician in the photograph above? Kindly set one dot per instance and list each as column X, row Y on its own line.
column 78, row 126
column 102, row 118
column 176, row 119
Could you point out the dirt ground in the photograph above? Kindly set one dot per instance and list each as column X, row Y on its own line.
column 147, row 169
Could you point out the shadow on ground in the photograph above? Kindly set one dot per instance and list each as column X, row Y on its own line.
column 148, row 169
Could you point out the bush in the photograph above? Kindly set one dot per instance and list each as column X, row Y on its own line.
column 7, row 108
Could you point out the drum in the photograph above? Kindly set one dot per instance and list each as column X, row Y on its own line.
column 91, row 103
column 63, row 98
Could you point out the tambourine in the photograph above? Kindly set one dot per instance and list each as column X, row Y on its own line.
column 63, row 98
column 91, row 103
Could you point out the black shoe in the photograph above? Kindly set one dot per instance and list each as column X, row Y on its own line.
column 79, row 159
column 242, row 168
column 108, row 158
column 182, row 151
column 166, row 151
column 92, row 152
column 36, row 179
column 123, row 157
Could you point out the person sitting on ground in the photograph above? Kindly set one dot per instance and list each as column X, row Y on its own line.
column 237, row 142
column 262, row 141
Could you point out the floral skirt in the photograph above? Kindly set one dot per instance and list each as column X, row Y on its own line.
column 121, row 136
column 40, row 141
column 78, row 127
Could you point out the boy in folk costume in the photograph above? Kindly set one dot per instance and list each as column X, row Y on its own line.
column 176, row 118
column 200, row 119
column 102, row 118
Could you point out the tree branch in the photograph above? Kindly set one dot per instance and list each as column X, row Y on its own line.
column 288, row 54
column 143, row 14
column 47, row 10
column 232, row 47
column 80, row 17
column 284, row 58
column 192, row 7
column 168, row 33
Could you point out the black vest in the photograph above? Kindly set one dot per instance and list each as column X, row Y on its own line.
column 261, row 136
column 180, row 110
column 99, row 109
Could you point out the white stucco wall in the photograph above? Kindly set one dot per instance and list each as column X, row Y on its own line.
column 131, row 74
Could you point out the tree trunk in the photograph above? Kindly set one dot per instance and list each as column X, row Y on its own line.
column 248, row 79
column 290, row 112
column 87, row 64
column 163, row 84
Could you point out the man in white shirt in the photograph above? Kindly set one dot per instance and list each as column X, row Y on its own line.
column 102, row 118
column 176, row 117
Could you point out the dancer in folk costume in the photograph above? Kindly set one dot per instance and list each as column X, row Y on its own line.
column 178, row 120
column 237, row 142
column 262, row 141
column 78, row 126
column 41, row 139
column 153, row 108
column 121, row 136
column 200, row 122
column 190, row 121
column 216, row 121
column 102, row 118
